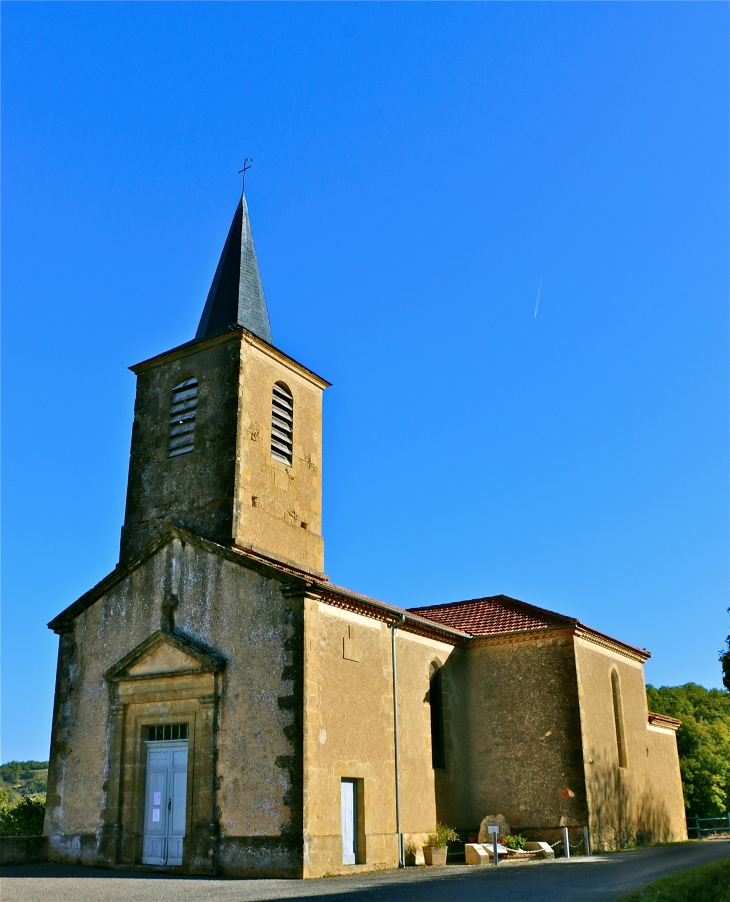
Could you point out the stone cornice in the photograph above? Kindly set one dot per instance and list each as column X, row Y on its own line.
column 664, row 720
column 240, row 334
column 285, row 359
column 514, row 638
column 393, row 616
column 298, row 581
column 621, row 648
column 62, row 623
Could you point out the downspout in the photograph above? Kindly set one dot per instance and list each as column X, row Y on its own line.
column 401, row 853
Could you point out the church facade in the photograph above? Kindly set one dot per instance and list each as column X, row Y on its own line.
column 221, row 707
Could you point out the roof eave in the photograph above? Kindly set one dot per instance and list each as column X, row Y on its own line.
column 196, row 345
column 630, row 651
column 61, row 623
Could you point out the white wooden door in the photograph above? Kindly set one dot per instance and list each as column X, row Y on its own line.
column 165, row 798
column 155, row 813
column 348, row 799
column 176, row 832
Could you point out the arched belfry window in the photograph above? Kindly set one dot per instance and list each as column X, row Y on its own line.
column 435, row 696
column 182, row 418
column 618, row 716
column 282, row 423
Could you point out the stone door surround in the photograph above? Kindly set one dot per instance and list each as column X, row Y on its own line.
column 168, row 678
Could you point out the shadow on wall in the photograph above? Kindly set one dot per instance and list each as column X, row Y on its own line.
column 621, row 816
column 448, row 712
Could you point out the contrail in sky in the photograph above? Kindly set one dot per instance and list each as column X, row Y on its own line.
column 539, row 289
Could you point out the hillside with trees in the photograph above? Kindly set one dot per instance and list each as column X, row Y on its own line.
column 22, row 778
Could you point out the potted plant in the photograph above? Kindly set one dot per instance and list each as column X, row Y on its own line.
column 514, row 842
column 515, row 846
column 434, row 852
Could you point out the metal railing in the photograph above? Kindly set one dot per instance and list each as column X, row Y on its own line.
column 584, row 842
column 720, row 824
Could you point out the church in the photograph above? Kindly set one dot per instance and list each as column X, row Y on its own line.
column 221, row 707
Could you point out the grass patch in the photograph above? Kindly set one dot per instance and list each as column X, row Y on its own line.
column 707, row 883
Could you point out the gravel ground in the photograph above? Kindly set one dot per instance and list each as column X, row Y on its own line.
column 597, row 879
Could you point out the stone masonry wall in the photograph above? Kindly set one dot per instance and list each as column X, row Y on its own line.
column 278, row 508
column 641, row 802
column 525, row 734
column 194, row 490
column 349, row 733
column 238, row 613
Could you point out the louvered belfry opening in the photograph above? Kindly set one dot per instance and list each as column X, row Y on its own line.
column 282, row 423
column 182, row 418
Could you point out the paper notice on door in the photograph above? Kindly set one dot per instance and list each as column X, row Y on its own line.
column 155, row 815
column 157, row 799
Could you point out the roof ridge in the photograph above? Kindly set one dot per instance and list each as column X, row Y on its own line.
column 452, row 604
column 507, row 598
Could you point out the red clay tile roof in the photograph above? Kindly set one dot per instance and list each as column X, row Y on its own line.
column 664, row 720
column 497, row 614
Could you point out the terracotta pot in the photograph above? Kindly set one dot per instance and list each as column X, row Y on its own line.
column 435, row 856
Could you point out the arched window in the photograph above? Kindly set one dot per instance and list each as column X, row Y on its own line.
column 618, row 716
column 182, row 418
column 282, row 423
column 435, row 696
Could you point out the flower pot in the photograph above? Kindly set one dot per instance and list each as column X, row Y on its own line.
column 435, row 856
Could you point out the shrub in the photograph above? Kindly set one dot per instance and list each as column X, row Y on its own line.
column 25, row 818
column 517, row 841
column 442, row 836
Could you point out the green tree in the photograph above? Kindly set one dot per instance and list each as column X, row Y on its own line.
column 703, row 742
column 25, row 818
column 11, row 771
column 23, row 778
column 725, row 662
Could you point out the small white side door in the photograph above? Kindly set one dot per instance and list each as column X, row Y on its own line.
column 348, row 801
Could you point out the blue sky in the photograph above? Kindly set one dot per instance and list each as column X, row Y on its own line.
column 420, row 171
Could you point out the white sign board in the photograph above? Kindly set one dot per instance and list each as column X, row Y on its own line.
column 493, row 829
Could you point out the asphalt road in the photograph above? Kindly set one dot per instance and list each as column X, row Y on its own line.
column 597, row 879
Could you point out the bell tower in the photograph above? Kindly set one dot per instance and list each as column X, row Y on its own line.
column 227, row 435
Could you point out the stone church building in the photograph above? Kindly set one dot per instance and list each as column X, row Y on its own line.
column 221, row 707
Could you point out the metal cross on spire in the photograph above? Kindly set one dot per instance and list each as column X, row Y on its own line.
column 242, row 173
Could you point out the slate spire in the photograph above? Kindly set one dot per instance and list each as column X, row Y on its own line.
column 236, row 297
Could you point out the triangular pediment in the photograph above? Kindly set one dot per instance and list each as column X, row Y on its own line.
column 164, row 654
column 163, row 658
